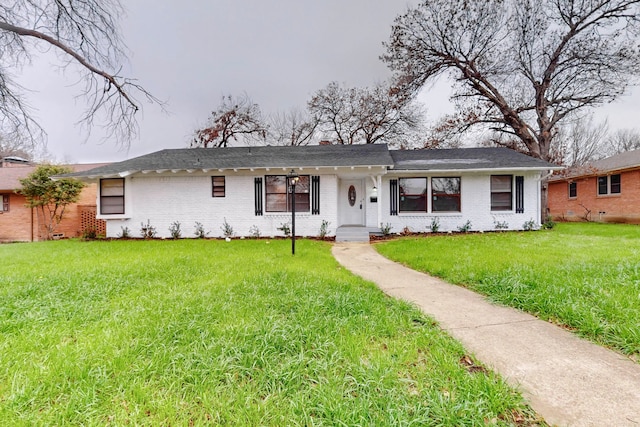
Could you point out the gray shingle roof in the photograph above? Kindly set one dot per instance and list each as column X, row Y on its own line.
column 321, row 156
column 618, row 162
column 629, row 159
column 252, row 157
column 465, row 159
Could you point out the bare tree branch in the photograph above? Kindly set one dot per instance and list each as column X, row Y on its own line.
column 382, row 113
column 84, row 33
column 292, row 128
column 234, row 119
column 529, row 64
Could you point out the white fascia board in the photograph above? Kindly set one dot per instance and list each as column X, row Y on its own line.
column 460, row 171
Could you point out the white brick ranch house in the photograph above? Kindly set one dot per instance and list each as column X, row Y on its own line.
column 353, row 187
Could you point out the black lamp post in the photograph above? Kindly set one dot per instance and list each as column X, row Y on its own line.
column 293, row 177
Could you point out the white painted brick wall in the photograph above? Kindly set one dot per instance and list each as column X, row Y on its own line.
column 168, row 198
column 475, row 207
column 164, row 199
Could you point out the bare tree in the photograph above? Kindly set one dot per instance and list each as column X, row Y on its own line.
column 295, row 127
column 623, row 140
column 522, row 67
column 365, row 115
column 85, row 35
column 235, row 118
column 334, row 108
column 581, row 141
column 11, row 146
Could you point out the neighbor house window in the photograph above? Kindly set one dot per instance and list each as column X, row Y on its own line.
column 609, row 184
column 217, row 184
column 112, row 196
column 278, row 194
column 445, row 194
column 413, row 194
column 573, row 190
column 501, row 192
column 5, row 202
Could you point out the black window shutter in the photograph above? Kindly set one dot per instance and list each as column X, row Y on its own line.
column 258, row 196
column 315, row 195
column 393, row 197
column 519, row 194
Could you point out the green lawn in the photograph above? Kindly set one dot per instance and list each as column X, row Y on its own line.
column 195, row 332
column 584, row 276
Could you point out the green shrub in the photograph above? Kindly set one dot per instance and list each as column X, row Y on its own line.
column 199, row 231
column 285, row 228
column 324, row 229
column 147, row 231
column 465, row 228
column 227, row 229
column 174, row 230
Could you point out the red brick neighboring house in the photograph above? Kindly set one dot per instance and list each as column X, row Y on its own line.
column 606, row 190
column 19, row 223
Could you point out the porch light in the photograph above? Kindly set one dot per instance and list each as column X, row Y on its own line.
column 292, row 178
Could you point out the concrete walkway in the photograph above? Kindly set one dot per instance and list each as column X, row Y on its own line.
column 567, row 380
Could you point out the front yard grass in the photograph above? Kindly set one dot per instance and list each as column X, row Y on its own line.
column 583, row 276
column 195, row 332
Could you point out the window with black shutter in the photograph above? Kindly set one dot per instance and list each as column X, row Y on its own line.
column 257, row 188
column 393, row 198
column 519, row 194
column 315, row 195
column 278, row 193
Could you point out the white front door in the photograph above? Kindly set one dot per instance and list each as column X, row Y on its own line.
column 351, row 202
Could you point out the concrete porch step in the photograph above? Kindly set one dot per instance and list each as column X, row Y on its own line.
column 353, row 233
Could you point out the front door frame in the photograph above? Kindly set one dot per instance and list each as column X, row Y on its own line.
column 356, row 214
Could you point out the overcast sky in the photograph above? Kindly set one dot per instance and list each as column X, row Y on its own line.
column 191, row 52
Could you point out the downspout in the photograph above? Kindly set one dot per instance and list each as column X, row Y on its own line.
column 32, row 224
column 379, row 185
column 539, row 198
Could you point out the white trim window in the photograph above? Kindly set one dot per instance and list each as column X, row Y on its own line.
column 112, row 196
column 501, row 192
column 609, row 184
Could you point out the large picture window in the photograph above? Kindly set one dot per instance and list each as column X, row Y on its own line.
column 610, row 184
column 501, row 192
column 278, row 194
column 445, row 194
column 413, row 194
column 112, row 196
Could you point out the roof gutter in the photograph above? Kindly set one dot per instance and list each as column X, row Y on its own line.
column 524, row 169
